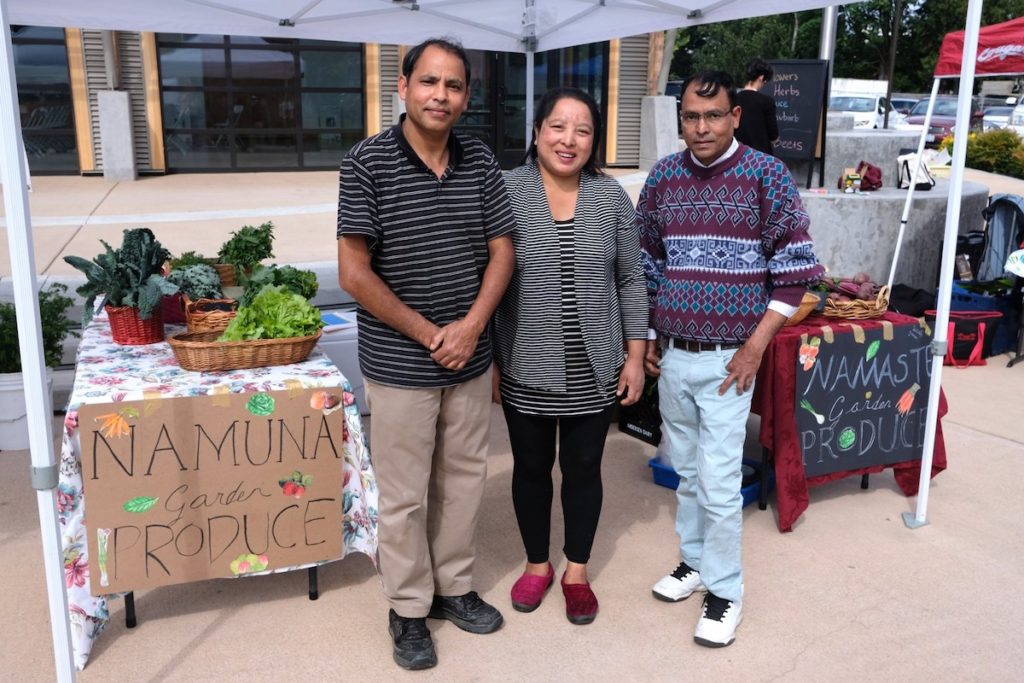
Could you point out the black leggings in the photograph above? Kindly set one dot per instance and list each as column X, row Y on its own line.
column 580, row 447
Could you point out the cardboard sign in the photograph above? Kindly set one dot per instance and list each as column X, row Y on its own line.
column 184, row 489
column 861, row 397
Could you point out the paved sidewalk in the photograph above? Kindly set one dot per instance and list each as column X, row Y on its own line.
column 850, row 595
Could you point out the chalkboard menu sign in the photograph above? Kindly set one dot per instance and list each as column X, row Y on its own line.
column 798, row 88
column 861, row 397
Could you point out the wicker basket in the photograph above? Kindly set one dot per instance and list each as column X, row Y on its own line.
column 209, row 315
column 807, row 304
column 858, row 309
column 201, row 352
column 226, row 271
column 128, row 329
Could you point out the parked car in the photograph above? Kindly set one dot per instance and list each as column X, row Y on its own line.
column 868, row 109
column 943, row 118
column 995, row 118
column 904, row 103
column 1016, row 122
column 675, row 89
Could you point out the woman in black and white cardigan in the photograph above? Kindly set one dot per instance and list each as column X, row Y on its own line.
column 569, row 338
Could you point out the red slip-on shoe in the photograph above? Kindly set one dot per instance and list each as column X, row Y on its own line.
column 529, row 589
column 580, row 602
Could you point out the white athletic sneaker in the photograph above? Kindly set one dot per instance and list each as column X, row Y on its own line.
column 718, row 621
column 678, row 585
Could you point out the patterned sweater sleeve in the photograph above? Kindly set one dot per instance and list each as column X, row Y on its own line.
column 792, row 265
column 652, row 248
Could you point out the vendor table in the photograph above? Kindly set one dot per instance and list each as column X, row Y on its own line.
column 776, row 402
column 108, row 372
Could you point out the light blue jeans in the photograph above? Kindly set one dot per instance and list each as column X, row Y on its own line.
column 704, row 433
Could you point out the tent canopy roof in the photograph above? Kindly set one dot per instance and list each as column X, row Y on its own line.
column 1000, row 51
column 505, row 25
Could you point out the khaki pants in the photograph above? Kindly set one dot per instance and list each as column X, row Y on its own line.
column 429, row 450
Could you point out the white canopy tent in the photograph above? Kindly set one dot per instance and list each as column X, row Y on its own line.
column 524, row 26
column 967, row 65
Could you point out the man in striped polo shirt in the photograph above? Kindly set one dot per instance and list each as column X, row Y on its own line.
column 424, row 247
column 727, row 257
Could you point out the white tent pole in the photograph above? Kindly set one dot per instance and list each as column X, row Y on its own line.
column 528, row 118
column 30, row 342
column 956, row 184
column 913, row 177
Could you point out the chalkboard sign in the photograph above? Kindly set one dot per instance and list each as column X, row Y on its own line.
column 798, row 88
column 861, row 399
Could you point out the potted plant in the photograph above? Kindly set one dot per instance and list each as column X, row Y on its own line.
column 132, row 285
column 55, row 324
column 243, row 250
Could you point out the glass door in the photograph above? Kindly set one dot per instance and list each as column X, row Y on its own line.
column 497, row 101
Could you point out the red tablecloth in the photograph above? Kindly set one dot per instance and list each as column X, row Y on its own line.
column 775, row 401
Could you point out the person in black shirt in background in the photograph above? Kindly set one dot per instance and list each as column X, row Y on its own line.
column 757, row 127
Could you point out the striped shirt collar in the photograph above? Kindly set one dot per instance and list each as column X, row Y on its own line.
column 454, row 147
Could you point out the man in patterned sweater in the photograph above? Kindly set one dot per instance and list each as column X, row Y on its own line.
column 727, row 258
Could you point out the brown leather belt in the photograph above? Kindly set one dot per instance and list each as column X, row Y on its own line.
column 698, row 346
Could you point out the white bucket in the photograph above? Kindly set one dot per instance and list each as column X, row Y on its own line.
column 13, row 414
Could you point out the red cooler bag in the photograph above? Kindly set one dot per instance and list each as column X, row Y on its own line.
column 969, row 336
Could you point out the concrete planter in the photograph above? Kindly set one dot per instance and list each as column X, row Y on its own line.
column 13, row 415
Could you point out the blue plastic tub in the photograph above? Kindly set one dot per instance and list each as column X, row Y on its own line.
column 665, row 476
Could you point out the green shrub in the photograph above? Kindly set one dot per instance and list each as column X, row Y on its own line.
column 997, row 151
column 53, row 320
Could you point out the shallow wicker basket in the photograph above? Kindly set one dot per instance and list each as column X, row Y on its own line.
column 226, row 271
column 201, row 352
column 858, row 309
column 808, row 304
column 209, row 315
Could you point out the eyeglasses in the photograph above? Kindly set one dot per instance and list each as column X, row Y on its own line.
column 713, row 117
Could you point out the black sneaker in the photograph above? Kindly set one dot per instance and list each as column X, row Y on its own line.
column 413, row 646
column 468, row 612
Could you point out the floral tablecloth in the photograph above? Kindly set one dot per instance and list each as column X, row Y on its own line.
column 107, row 372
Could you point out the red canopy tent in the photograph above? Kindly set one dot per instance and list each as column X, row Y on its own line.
column 1000, row 51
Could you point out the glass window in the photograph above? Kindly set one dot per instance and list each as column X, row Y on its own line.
column 191, row 38
column 331, row 69
column 189, row 66
column 327, row 149
column 250, row 102
column 37, row 33
column 198, row 150
column 266, row 151
column 262, row 68
column 332, row 110
column 274, row 109
column 44, row 99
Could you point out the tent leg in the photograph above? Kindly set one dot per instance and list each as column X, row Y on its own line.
column 864, row 481
column 314, row 588
column 129, row 610
column 912, row 522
